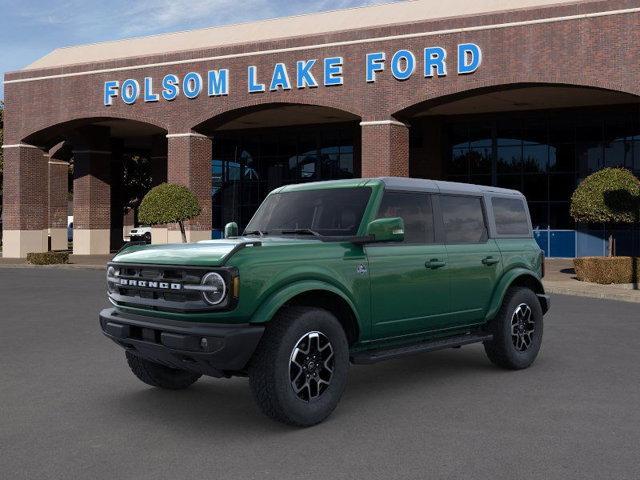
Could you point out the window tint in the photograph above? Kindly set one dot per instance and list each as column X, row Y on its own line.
column 329, row 211
column 416, row 212
column 463, row 219
column 511, row 216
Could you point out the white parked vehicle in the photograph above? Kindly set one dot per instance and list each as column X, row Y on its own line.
column 140, row 234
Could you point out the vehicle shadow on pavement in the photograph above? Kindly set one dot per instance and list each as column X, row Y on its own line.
column 228, row 405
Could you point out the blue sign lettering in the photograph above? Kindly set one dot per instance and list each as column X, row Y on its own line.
column 304, row 76
column 434, row 59
column 469, row 58
column 333, row 71
column 280, row 78
column 170, row 87
column 254, row 87
column 216, row 83
column 375, row 63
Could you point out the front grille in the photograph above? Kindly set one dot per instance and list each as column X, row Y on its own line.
column 156, row 287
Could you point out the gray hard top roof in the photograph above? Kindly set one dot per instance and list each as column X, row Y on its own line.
column 419, row 184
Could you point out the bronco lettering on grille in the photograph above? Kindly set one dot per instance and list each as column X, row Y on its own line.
column 148, row 284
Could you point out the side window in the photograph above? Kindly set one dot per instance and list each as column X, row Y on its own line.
column 416, row 212
column 511, row 216
column 463, row 219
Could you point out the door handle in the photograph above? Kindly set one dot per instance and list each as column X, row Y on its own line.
column 434, row 263
column 488, row 261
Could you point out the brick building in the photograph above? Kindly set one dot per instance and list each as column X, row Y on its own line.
column 527, row 94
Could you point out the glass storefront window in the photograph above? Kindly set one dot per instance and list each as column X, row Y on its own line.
column 544, row 154
column 248, row 164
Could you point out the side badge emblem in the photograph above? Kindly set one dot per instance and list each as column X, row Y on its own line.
column 361, row 269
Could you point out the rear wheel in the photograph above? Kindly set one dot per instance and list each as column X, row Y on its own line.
column 517, row 330
column 158, row 375
column 299, row 370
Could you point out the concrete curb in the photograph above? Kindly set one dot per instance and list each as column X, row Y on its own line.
column 592, row 291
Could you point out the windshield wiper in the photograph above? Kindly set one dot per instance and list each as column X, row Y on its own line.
column 301, row 231
column 255, row 232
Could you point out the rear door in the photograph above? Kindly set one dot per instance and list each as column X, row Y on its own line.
column 474, row 261
column 409, row 280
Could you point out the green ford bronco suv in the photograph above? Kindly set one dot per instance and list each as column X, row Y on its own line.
column 327, row 274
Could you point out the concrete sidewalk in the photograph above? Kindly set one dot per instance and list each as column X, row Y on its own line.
column 560, row 278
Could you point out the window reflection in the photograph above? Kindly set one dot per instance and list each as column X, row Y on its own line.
column 543, row 154
column 249, row 164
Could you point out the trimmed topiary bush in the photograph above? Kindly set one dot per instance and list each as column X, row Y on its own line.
column 48, row 258
column 607, row 270
column 611, row 195
column 169, row 203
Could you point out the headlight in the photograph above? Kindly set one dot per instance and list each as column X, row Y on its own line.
column 215, row 289
column 111, row 273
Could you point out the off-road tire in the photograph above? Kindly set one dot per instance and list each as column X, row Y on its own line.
column 501, row 350
column 158, row 375
column 269, row 368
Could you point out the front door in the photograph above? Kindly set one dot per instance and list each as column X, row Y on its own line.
column 409, row 280
column 475, row 262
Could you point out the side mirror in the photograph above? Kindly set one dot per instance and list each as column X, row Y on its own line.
column 386, row 230
column 231, row 230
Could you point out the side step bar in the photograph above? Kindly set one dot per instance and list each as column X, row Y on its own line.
column 374, row 356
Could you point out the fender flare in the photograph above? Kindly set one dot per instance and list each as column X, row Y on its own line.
column 276, row 300
column 505, row 282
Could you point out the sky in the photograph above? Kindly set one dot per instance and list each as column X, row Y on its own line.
column 29, row 29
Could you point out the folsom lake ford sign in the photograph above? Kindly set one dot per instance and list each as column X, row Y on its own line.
column 309, row 73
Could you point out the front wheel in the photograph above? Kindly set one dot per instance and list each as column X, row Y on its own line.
column 299, row 370
column 517, row 330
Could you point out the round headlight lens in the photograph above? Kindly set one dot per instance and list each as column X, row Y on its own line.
column 216, row 288
column 111, row 272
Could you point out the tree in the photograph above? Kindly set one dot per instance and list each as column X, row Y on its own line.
column 136, row 181
column 169, row 203
column 611, row 195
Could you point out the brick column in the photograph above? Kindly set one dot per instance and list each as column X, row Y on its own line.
column 58, row 191
column 385, row 149
column 189, row 164
column 92, row 192
column 159, row 233
column 25, row 210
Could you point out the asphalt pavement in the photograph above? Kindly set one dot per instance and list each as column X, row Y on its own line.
column 71, row 409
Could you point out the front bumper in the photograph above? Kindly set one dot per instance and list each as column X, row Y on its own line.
column 216, row 350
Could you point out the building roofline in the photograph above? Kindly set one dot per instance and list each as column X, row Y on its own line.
column 282, row 28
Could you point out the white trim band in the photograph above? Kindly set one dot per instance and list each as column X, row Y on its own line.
column 328, row 45
column 99, row 152
column 383, row 122
column 58, row 162
column 190, row 134
column 21, row 145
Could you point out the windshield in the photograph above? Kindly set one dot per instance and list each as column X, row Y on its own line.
column 327, row 212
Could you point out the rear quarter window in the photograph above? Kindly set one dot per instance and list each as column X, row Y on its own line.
column 510, row 216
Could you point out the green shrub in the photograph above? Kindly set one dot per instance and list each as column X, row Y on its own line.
column 169, row 203
column 608, row 196
column 48, row 258
column 611, row 195
column 607, row 270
